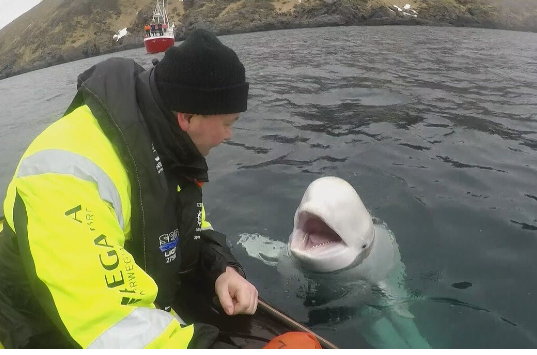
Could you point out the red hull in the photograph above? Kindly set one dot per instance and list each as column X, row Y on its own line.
column 158, row 44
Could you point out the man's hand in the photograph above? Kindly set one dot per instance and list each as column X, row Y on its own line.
column 235, row 293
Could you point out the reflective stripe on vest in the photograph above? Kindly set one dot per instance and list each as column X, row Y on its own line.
column 64, row 162
column 135, row 331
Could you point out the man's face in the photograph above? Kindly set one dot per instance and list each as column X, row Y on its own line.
column 207, row 131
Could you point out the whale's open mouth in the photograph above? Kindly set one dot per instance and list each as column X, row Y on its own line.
column 314, row 233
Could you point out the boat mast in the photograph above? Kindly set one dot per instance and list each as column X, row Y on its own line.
column 165, row 11
column 160, row 14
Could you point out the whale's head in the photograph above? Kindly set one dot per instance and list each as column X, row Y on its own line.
column 332, row 228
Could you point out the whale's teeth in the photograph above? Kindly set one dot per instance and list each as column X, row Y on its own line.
column 305, row 240
column 322, row 244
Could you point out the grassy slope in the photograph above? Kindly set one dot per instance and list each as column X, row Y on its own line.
column 61, row 27
column 58, row 30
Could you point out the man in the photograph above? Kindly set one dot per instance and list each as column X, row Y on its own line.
column 104, row 216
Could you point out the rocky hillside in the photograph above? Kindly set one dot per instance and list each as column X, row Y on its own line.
column 57, row 31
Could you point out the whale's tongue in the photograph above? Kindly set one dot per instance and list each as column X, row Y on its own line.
column 315, row 232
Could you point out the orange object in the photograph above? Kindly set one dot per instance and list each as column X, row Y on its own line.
column 294, row 340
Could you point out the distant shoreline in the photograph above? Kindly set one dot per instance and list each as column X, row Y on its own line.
column 135, row 40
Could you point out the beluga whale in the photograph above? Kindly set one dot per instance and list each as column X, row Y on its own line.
column 332, row 228
column 340, row 257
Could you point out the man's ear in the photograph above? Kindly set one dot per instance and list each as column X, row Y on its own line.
column 183, row 119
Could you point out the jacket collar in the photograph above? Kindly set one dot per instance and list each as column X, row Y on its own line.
column 179, row 155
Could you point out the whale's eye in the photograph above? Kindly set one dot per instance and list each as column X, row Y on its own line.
column 364, row 246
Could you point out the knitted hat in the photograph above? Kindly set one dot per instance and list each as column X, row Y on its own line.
column 202, row 76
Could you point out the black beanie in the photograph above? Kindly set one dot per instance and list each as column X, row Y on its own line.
column 202, row 76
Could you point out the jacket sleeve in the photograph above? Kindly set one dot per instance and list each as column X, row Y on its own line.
column 215, row 255
column 71, row 242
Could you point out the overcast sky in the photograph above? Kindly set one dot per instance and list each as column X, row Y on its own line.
column 11, row 9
